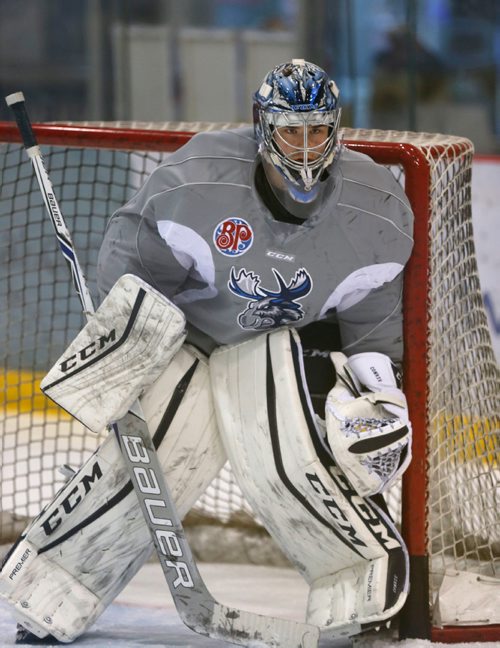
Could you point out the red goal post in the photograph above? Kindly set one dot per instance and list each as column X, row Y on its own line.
column 449, row 511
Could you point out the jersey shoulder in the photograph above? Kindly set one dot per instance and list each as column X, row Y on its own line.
column 238, row 142
column 209, row 162
column 362, row 176
column 213, row 156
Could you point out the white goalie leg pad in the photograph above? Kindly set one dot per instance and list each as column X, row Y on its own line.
column 92, row 538
column 33, row 609
column 335, row 538
column 124, row 347
column 368, row 431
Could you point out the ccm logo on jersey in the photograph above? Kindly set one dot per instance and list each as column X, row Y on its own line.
column 87, row 352
column 167, row 541
column 233, row 237
column 72, row 499
column 281, row 256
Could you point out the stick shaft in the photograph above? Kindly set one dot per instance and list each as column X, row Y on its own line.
column 17, row 104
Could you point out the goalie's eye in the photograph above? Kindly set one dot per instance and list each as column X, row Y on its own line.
column 320, row 131
column 290, row 134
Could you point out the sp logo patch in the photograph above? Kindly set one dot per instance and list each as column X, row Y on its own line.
column 269, row 308
column 233, row 237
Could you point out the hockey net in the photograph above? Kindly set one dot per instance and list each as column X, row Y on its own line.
column 448, row 505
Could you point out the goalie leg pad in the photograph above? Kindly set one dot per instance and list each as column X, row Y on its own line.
column 36, row 598
column 124, row 347
column 283, row 466
column 93, row 532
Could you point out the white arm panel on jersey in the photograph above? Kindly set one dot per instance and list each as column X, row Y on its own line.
column 359, row 284
column 193, row 253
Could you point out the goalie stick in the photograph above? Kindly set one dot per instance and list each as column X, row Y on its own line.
column 195, row 605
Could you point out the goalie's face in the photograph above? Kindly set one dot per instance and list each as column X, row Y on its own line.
column 301, row 144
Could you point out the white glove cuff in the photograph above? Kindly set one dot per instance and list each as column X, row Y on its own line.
column 377, row 373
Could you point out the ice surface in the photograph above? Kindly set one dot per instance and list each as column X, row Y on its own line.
column 144, row 614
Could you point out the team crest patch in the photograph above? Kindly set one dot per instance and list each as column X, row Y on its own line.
column 269, row 308
column 233, row 237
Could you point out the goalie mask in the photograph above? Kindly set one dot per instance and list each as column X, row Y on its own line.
column 296, row 120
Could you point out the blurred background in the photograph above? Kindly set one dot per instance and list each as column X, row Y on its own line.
column 426, row 65
column 419, row 65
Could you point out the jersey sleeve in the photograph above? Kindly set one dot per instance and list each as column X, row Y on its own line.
column 375, row 323
column 133, row 245
column 148, row 236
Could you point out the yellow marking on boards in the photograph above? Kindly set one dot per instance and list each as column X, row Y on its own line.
column 20, row 393
column 463, row 439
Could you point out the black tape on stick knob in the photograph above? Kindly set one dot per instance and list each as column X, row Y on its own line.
column 16, row 102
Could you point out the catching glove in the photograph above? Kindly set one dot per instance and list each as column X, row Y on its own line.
column 367, row 422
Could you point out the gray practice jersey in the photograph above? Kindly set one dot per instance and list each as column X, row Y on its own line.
column 199, row 232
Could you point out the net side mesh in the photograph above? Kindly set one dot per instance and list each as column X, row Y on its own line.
column 463, row 375
column 41, row 315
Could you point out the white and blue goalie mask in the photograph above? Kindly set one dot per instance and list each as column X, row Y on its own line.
column 296, row 120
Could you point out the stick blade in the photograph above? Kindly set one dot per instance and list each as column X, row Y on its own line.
column 248, row 628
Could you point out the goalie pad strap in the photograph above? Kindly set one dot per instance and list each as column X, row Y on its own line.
column 283, row 466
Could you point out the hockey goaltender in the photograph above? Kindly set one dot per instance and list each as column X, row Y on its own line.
column 252, row 302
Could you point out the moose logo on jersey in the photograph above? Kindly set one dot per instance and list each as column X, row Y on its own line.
column 233, row 237
column 269, row 308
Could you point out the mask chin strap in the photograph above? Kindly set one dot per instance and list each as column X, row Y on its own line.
column 307, row 178
column 289, row 194
column 286, row 186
